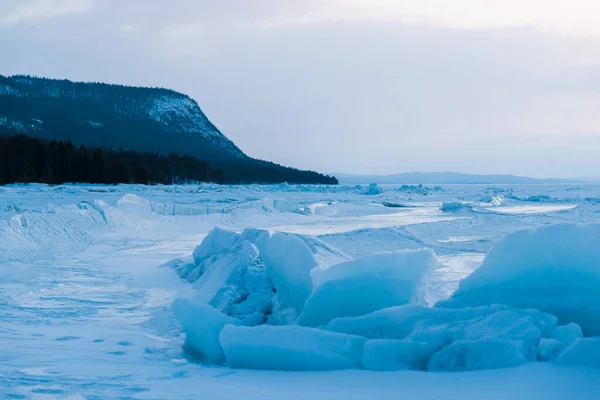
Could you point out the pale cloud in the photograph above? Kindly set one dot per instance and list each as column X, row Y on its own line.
column 130, row 27
column 573, row 17
column 191, row 31
column 578, row 17
column 18, row 11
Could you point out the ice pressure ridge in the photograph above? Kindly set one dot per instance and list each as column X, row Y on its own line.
column 291, row 302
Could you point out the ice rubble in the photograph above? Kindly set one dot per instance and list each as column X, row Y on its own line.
column 470, row 355
column 372, row 190
column 553, row 268
column 75, row 224
column 567, row 334
column 269, row 205
column 419, row 189
column 396, row 355
column 461, row 339
column 256, row 276
column 80, row 223
column 495, row 197
column 219, row 241
column 290, row 348
column 368, row 284
column 549, row 348
column 454, row 206
column 202, row 326
column 440, row 325
column 289, row 261
column 584, row 352
column 368, row 309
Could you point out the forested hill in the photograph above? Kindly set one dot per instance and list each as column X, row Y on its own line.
column 100, row 115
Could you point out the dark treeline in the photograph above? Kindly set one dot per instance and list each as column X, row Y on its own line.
column 25, row 159
column 259, row 171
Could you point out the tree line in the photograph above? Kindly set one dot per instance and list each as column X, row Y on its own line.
column 24, row 159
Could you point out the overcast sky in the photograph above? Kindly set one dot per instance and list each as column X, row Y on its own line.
column 357, row 86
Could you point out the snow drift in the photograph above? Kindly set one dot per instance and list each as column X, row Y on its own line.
column 553, row 268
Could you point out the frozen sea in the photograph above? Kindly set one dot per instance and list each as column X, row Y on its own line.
column 85, row 298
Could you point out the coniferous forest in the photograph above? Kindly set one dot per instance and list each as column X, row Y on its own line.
column 25, row 159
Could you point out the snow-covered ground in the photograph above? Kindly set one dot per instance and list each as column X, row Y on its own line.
column 86, row 298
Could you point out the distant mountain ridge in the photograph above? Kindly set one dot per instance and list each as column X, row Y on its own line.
column 412, row 178
column 132, row 118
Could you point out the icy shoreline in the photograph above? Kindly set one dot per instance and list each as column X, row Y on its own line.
column 260, row 297
column 87, row 306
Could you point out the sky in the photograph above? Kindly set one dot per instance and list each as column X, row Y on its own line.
column 353, row 86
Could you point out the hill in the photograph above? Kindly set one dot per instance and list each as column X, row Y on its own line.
column 131, row 118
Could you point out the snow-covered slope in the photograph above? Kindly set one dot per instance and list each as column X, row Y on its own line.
column 111, row 116
column 179, row 113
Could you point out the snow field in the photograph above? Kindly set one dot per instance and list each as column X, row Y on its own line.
column 87, row 311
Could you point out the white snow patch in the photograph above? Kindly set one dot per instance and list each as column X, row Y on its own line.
column 92, row 123
column 460, row 239
column 533, row 209
column 8, row 90
column 172, row 109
